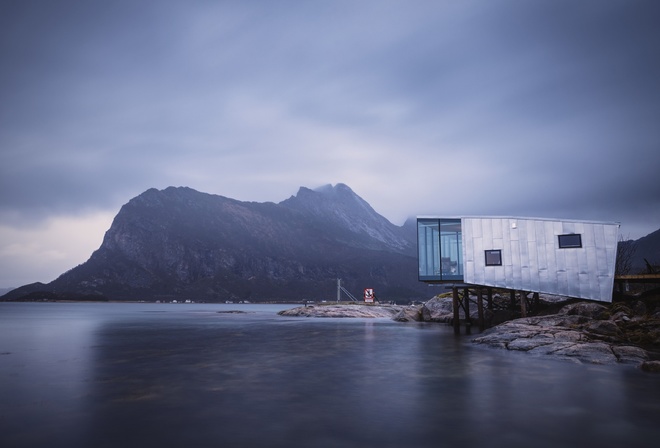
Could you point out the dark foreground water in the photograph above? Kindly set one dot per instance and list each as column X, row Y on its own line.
column 172, row 375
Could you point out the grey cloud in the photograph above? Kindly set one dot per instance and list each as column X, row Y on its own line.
column 535, row 107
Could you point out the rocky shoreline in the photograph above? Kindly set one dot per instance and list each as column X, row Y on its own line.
column 581, row 332
column 578, row 331
column 351, row 310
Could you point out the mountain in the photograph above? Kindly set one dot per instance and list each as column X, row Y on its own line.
column 647, row 248
column 182, row 244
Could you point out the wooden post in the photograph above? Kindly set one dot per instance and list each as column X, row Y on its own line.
column 523, row 304
column 512, row 305
column 466, row 306
column 490, row 298
column 480, row 309
column 457, row 322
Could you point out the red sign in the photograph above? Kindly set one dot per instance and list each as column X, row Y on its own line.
column 369, row 295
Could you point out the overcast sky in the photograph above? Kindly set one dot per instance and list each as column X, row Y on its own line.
column 521, row 107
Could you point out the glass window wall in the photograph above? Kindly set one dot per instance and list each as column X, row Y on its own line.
column 440, row 250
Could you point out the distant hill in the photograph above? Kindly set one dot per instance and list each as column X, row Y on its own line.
column 181, row 244
column 646, row 248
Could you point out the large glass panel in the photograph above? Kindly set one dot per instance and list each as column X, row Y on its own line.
column 440, row 250
column 451, row 249
column 428, row 244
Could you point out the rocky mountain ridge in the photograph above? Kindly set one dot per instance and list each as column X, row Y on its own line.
column 179, row 243
column 645, row 250
column 340, row 206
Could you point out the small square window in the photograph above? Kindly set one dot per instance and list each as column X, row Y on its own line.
column 494, row 257
column 570, row 241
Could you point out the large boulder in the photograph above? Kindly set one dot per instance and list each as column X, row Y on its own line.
column 409, row 314
column 440, row 309
column 651, row 366
column 591, row 310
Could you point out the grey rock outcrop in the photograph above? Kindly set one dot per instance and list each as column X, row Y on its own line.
column 559, row 337
column 583, row 332
column 348, row 311
column 413, row 314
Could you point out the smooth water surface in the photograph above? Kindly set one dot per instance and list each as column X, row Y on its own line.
column 197, row 375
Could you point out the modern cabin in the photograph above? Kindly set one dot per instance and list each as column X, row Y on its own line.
column 562, row 257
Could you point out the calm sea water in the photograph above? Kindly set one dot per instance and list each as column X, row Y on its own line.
column 174, row 375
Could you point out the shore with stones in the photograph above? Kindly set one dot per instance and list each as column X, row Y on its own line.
column 574, row 330
column 350, row 310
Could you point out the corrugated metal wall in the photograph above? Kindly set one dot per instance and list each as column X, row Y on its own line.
column 533, row 261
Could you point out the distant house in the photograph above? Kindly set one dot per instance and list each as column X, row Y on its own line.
column 562, row 257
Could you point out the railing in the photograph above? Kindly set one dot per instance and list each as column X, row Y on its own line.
column 350, row 296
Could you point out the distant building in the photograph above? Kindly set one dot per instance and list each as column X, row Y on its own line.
column 562, row 257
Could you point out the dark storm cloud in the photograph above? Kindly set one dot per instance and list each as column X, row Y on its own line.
column 544, row 108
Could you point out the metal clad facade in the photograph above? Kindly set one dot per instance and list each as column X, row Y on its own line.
column 532, row 259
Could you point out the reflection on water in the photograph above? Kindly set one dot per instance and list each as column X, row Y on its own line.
column 109, row 375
